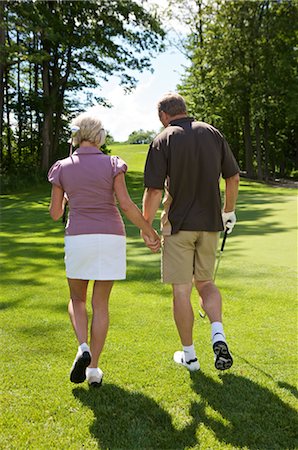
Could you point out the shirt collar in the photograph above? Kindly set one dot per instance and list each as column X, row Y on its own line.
column 86, row 151
column 181, row 121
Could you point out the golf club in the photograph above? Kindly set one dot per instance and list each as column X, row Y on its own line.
column 73, row 129
column 203, row 315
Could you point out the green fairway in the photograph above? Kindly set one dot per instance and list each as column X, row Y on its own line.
column 146, row 401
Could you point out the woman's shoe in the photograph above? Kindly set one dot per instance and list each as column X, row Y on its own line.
column 81, row 362
column 94, row 376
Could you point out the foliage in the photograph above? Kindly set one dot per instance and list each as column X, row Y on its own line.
column 51, row 51
column 243, row 79
column 109, row 139
column 141, row 137
column 146, row 401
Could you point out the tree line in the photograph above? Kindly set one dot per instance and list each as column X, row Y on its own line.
column 242, row 78
column 50, row 52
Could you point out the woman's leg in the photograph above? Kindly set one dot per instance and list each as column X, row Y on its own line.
column 100, row 318
column 77, row 308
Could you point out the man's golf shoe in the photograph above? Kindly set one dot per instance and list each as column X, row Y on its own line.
column 222, row 356
column 192, row 365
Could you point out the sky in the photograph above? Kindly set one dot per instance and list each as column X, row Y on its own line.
column 138, row 109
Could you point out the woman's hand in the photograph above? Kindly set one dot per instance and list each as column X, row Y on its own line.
column 152, row 240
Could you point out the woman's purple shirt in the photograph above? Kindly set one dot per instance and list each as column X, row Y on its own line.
column 87, row 178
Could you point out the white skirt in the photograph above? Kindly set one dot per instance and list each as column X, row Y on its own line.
column 95, row 257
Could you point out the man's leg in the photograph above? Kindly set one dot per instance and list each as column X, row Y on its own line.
column 212, row 304
column 79, row 319
column 210, row 299
column 177, row 269
column 184, row 319
column 183, row 312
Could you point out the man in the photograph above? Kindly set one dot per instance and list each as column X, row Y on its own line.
column 186, row 160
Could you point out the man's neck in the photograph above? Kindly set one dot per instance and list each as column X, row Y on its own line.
column 171, row 118
column 179, row 116
column 165, row 118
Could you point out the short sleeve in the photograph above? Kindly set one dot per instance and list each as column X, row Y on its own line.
column 54, row 174
column 155, row 167
column 229, row 166
column 119, row 166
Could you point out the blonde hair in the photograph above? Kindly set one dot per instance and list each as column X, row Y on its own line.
column 90, row 129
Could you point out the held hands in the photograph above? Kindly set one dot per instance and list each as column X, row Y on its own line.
column 229, row 220
column 152, row 240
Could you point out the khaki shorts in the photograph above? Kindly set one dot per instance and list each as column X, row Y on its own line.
column 187, row 255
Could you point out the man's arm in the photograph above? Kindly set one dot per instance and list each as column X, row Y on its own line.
column 151, row 202
column 231, row 193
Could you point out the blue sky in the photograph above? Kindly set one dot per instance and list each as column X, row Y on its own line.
column 137, row 110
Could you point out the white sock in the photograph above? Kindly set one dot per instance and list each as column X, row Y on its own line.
column 84, row 347
column 92, row 370
column 217, row 332
column 189, row 352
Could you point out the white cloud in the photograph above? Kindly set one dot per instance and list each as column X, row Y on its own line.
column 137, row 109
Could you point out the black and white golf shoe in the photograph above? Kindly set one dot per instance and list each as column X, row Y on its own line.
column 192, row 365
column 223, row 358
column 81, row 362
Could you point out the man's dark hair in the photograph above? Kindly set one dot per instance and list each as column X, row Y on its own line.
column 172, row 104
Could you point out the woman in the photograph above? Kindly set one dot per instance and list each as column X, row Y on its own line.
column 95, row 243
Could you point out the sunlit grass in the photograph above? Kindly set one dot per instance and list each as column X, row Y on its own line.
column 146, row 402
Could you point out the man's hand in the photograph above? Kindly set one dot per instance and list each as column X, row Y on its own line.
column 229, row 219
column 152, row 241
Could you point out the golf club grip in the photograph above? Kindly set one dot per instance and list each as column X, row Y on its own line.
column 224, row 238
column 224, row 241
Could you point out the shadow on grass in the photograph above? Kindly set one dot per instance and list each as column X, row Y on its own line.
column 130, row 420
column 9, row 304
column 248, row 415
column 292, row 389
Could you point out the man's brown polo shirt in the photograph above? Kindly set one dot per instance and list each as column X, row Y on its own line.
column 187, row 159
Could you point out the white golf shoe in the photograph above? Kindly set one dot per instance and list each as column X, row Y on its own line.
column 191, row 365
column 94, row 376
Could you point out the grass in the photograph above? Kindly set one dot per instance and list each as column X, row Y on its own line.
column 146, row 402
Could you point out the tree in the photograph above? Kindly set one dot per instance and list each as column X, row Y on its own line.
column 53, row 49
column 2, row 73
column 141, row 137
column 243, row 79
column 109, row 138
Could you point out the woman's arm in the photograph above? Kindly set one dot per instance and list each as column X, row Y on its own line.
column 57, row 202
column 133, row 213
